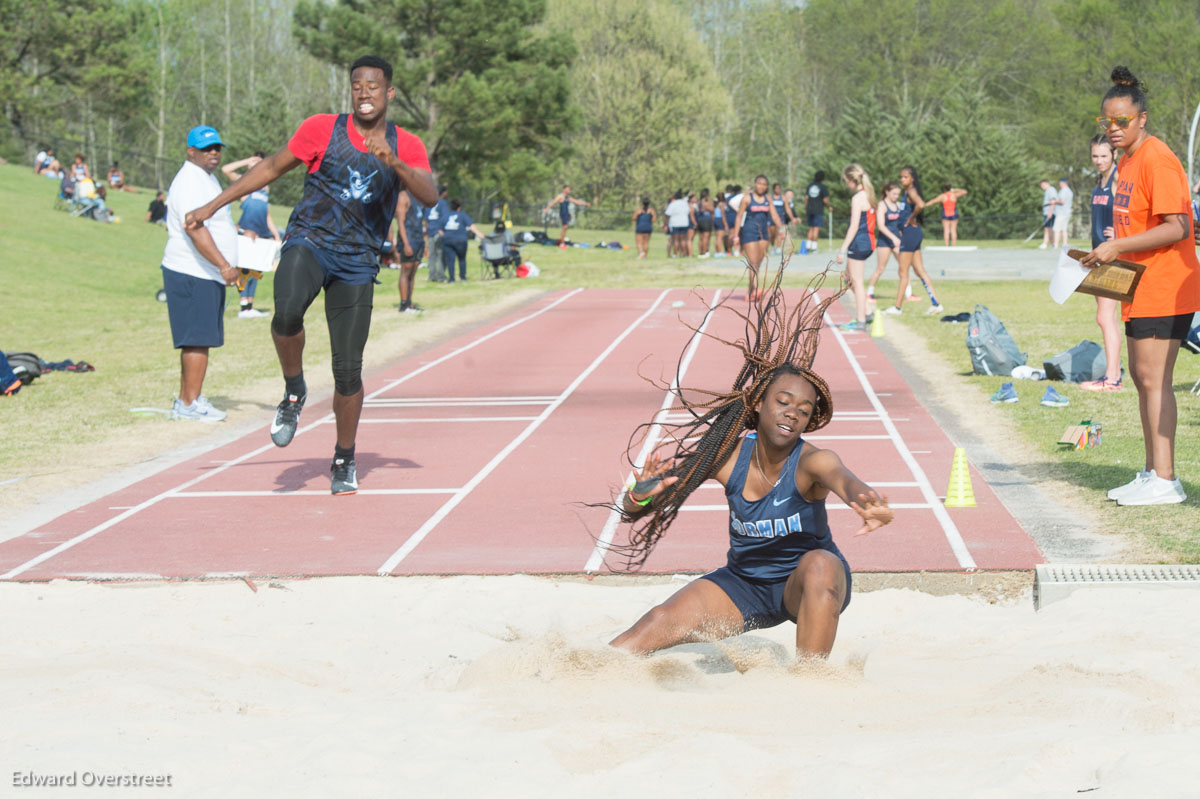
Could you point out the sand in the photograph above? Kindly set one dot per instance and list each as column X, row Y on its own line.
column 503, row 686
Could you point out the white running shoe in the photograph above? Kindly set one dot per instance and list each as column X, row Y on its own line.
column 1154, row 491
column 1136, row 482
column 252, row 313
column 932, row 309
column 892, row 310
column 201, row 410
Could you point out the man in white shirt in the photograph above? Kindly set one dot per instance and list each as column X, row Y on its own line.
column 198, row 263
column 1062, row 212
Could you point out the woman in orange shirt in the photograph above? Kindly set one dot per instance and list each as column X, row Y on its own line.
column 1153, row 226
column 949, row 199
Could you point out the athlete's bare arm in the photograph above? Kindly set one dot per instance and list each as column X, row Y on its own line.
column 419, row 182
column 821, row 471
column 265, row 171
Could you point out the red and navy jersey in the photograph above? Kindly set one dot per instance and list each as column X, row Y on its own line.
column 758, row 215
column 349, row 195
column 1102, row 209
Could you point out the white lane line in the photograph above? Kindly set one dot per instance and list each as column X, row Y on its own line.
column 392, row 384
column 435, row 420
column 385, row 401
column 309, row 493
column 84, row 536
column 596, row 559
column 953, row 537
column 435, row 403
column 416, row 538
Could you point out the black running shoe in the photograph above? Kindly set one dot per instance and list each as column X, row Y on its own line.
column 344, row 476
column 286, row 419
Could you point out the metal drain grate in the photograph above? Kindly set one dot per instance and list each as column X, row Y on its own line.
column 1052, row 582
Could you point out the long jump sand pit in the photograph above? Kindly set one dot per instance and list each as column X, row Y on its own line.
column 503, row 686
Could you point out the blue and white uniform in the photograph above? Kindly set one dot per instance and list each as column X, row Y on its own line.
column 564, row 212
column 254, row 212
column 412, row 228
column 767, row 538
column 892, row 221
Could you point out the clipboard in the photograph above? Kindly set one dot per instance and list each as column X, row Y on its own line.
column 1117, row 279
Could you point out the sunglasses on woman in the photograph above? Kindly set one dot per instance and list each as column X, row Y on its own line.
column 1122, row 122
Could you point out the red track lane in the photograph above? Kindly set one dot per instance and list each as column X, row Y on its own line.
column 477, row 456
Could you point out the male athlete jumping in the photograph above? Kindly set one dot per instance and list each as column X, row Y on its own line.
column 357, row 166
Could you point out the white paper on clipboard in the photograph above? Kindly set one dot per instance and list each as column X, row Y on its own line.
column 1068, row 274
column 259, row 254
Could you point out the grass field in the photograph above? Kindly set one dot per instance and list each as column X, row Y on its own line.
column 82, row 290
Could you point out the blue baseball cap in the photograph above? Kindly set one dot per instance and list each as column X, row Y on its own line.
column 203, row 136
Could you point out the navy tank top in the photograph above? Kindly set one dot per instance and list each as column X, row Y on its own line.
column 892, row 220
column 758, row 215
column 644, row 223
column 864, row 237
column 1102, row 209
column 768, row 537
column 349, row 202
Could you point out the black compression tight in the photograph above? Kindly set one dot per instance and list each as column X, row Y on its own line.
column 298, row 281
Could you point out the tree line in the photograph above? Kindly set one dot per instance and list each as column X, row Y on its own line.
column 620, row 98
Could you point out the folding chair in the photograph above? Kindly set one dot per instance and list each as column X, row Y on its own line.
column 500, row 254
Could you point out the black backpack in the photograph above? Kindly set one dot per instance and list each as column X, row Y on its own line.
column 26, row 366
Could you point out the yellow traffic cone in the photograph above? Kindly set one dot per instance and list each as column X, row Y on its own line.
column 959, row 493
column 877, row 325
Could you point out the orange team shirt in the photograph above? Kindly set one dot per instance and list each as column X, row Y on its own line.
column 1150, row 184
column 948, row 203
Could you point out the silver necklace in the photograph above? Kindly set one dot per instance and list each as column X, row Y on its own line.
column 758, row 463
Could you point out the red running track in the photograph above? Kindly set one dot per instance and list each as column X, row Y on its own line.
column 479, row 456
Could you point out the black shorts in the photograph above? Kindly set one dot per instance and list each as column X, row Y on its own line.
column 816, row 220
column 1164, row 327
column 196, row 309
column 418, row 249
column 761, row 602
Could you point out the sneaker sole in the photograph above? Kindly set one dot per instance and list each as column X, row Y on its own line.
column 343, row 493
column 1056, row 404
column 1170, row 500
column 1005, row 401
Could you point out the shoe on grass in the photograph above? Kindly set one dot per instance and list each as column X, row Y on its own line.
column 1154, row 490
column 892, row 310
column 853, row 326
column 1052, row 399
column 200, row 410
column 1006, row 393
column 251, row 313
column 934, row 309
column 1132, row 485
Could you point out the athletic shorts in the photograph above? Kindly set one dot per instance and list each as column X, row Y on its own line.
column 1048, row 221
column 564, row 218
column 1165, row 327
column 1062, row 222
column 196, row 309
column 885, row 243
column 859, row 254
column 678, row 231
column 760, row 603
column 816, row 220
column 644, row 230
column 704, row 223
column 344, row 269
column 418, row 248
column 950, row 218
column 911, row 237
column 752, row 232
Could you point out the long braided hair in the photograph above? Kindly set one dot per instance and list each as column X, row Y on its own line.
column 778, row 339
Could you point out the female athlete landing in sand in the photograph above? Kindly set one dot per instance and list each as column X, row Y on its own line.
column 783, row 564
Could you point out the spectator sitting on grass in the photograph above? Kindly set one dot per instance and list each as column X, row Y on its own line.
column 116, row 179
column 157, row 213
column 47, row 165
column 88, row 195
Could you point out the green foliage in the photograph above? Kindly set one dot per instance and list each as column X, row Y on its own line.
column 643, row 83
column 961, row 146
column 479, row 80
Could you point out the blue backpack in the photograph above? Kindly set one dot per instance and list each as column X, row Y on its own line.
column 9, row 382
